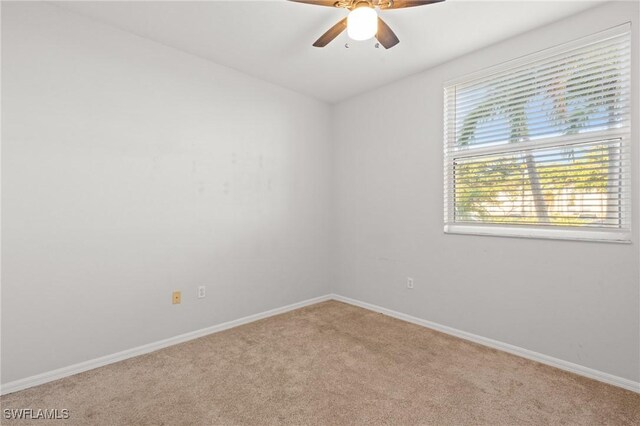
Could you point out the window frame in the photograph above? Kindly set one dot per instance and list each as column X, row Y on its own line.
column 621, row 235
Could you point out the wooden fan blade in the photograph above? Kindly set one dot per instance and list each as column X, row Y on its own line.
column 401, row 4
column 333, row 32
column 330, row 3
column 385, row 35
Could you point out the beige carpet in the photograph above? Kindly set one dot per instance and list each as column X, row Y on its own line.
column 330, row 364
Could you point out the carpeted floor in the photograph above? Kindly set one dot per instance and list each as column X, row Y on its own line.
column 330, row 364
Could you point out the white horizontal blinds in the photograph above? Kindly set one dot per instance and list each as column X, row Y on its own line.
column 576, row 185
column 544, row 142
column 584, row 89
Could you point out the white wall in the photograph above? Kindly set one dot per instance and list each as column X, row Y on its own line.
column 130, row 170
column 571, row 300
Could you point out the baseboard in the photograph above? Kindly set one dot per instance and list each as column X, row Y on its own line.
column 60, row 373
column 515, row 350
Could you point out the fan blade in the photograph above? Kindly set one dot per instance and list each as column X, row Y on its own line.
column 385, row 35
column 330, row 3
column 333, row 32
column 401, row 4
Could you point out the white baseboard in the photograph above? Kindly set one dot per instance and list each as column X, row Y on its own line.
column 515, row 350
column 60, row 373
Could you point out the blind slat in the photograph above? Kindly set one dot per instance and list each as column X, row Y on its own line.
column 550, row 64
column 553, row 84
column 503, row 133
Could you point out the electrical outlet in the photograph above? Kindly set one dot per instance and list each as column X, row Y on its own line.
column 201, row 291
column 176, row 297
column 409, row 282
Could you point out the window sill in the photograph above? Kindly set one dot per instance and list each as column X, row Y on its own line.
column 536, row 232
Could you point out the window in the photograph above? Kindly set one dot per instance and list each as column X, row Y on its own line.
column 539, row 147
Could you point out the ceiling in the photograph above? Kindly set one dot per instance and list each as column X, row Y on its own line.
column 271, row 39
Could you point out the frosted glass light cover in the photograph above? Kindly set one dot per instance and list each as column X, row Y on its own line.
column 362, row 23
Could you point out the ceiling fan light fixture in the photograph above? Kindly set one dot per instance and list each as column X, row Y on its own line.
column 362, row 23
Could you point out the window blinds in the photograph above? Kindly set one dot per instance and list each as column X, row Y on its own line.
column 540, row 146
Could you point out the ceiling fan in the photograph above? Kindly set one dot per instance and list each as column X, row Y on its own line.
column 363, row 22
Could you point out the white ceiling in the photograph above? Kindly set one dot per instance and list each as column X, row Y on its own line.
column 272, row 40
